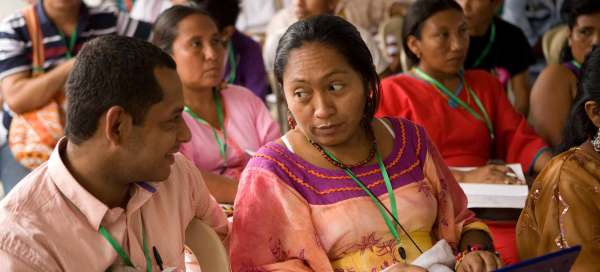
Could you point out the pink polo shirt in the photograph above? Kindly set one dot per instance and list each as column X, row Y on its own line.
column 49, row 222
column 248, row 124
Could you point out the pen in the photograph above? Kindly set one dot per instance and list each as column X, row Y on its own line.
column 158, row 258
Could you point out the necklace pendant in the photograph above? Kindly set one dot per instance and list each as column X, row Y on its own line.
column 402, row 252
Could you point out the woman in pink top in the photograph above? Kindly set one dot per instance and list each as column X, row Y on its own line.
column 227, row 122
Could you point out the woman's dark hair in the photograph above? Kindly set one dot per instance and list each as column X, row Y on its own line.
column 416, row 15
column 340, row 35
column 572, row 10
column 579, row 127
column 165, row 27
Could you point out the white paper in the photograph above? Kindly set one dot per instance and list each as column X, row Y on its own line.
column 485, row 195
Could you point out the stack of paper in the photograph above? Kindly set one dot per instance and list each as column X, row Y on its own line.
column 482, row 195
column 495, row 195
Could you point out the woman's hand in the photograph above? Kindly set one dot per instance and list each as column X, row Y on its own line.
column 479, row 261
column 399, row 267
column 491, row 173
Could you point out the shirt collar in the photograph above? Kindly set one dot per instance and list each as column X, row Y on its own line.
column 93, row 209
column 82, row 22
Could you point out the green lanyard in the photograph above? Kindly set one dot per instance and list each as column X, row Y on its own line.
column 576, row 64
column 70, row 44
column 487, row 48
column 232, row 63
column 222, row 143
column 439, row 86
column 390, row 191
column 122, row 253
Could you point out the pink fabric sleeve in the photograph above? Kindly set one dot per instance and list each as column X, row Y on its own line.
column 12, row 263
column 272, row 228
column 453, row 213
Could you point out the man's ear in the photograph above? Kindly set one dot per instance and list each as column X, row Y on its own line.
column 116, row 124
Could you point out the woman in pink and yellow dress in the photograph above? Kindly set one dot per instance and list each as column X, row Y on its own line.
column 342, row 190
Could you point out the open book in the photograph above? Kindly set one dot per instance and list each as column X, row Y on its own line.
column 482, row 195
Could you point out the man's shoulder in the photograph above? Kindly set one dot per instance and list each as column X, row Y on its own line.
column 507, row 31
column 24, row 222
column 32, row 194
column 31, row 204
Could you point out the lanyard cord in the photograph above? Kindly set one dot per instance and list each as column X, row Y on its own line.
column 219, row 108
column 383, row 210
column 122, row 253
column 70, row 44
column 487, row 48
column 576, row 64
column 232, row 63
column 440, row 87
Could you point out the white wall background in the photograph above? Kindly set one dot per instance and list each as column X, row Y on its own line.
column 7, row 7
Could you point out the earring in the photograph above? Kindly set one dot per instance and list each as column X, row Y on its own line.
column 291, row 121
column 596, row 141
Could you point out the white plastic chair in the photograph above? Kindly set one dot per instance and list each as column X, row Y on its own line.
column 207, row 246
column 553, row 42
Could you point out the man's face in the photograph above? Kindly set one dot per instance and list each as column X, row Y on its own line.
column 306, row 8
column 149, row 150
column 479, row 14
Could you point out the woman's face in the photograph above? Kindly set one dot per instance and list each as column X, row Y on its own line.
column 305, row 8
column 199, row 52
column 584, row 35
column 324, row 94
column 444, row 42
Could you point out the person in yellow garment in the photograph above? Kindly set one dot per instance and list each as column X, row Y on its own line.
column 563, row 207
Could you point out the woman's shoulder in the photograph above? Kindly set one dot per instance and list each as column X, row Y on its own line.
column 552, row 71
column 398, row 124
column 271, row 156
column 404, row 84
column 555, row 77
column 479, row 75
column 574, row 167
column 483, row 82
column 399, row 78
column 240, row 94
column 408, row 133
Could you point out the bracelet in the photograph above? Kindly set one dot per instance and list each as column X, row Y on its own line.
column 471, row 248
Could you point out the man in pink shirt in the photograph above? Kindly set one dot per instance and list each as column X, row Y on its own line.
column 114, row 192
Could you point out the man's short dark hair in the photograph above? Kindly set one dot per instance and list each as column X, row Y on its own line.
column 224, row 12
column 112, row 71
